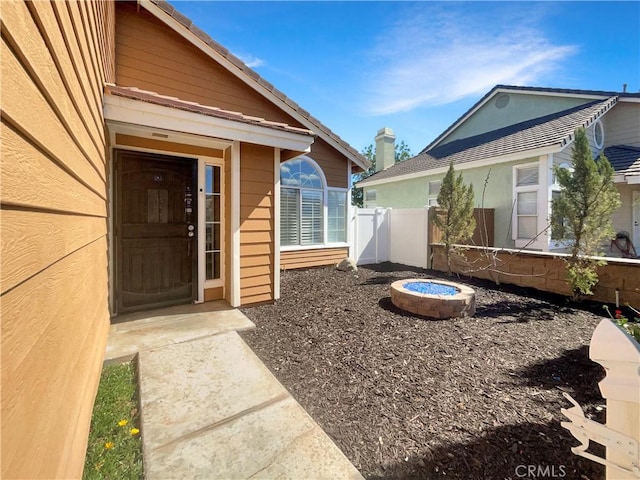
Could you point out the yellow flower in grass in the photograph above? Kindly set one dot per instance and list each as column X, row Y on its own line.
column 122, row 423
column 134, row 431
column 109, row 445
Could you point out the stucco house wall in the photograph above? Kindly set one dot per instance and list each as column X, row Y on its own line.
column 413, row 193
column 518, row 107
column 528, row 126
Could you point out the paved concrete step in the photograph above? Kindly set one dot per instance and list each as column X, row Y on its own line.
column 212, row 410
column 135, row 332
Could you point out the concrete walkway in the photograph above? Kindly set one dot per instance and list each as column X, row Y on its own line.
column 210, row 409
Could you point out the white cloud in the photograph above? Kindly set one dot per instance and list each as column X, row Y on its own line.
column 441, row 54
column 251, row 61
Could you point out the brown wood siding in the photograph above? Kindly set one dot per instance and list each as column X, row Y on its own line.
column 312, row 258
column 335, row 168
column 53, row 250
column 153, row 57
column 256, row 224
column 216, row 293
column 483, row 234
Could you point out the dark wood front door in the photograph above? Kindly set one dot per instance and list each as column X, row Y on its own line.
column 155, row 231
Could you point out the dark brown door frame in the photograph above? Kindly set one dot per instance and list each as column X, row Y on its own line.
column 118, row 231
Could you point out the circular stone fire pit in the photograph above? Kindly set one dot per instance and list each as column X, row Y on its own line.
column 434, row 298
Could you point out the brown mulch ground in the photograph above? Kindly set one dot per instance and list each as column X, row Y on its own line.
column 410, row 397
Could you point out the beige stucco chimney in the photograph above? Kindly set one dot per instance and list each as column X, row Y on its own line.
column 385, row 149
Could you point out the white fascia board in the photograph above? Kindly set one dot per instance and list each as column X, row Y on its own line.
column 633, row 179
column 136, row 112
column 629, row 99
column 248, row 80
column 469, row 165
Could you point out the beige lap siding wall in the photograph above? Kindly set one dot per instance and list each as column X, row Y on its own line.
column 257, row 243
column 547, row 272
column 55, row 59
column 312, row 257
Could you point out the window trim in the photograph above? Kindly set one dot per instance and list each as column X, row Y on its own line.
column 370, row 203
column 325, row 213
column 432, row 200
column 213, row 282
column 515, row 234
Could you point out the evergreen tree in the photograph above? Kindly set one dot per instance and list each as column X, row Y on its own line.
column 454, row 215
column 582, row 212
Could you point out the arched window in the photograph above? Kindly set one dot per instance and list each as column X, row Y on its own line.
column 310, row 213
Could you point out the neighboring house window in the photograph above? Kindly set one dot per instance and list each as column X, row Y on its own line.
column 598, row 135
column 305, row 202
column 565, row 166
column 370, row 199
column 434, row 190
column 526, row 185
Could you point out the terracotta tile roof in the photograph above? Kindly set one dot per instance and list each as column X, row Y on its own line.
column 173, row 102
column 319, row 128
column 624, row 159
column 556, row 129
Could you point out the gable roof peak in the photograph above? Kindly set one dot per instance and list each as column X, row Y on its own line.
column 169, row 15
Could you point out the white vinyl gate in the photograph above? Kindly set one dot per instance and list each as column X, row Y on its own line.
column 396, row 235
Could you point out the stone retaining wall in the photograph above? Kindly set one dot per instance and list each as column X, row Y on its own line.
column 544, row 271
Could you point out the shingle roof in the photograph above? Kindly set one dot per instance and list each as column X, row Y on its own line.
column 624, row 159
column 173, row 102
column 544, row 90
column 322, row 130
column 556, row 129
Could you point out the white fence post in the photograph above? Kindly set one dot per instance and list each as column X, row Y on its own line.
column 619, row 354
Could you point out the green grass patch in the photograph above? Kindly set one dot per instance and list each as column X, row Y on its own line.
column 115, row 447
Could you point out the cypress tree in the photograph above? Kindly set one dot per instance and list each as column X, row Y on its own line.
column 582, row 212
column 454, row 215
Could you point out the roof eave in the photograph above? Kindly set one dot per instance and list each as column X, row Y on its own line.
column 524, row 155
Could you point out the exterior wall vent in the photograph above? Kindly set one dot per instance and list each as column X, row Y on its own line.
column 502, row 100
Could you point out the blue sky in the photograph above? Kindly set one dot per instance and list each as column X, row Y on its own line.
column 417, row 66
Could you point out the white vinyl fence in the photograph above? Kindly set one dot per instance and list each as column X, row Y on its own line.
column 395, row 235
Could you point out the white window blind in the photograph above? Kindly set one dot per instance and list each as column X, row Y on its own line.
column 289, row 216
column 311, row 217
column 527, row 176
column 527, row 211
